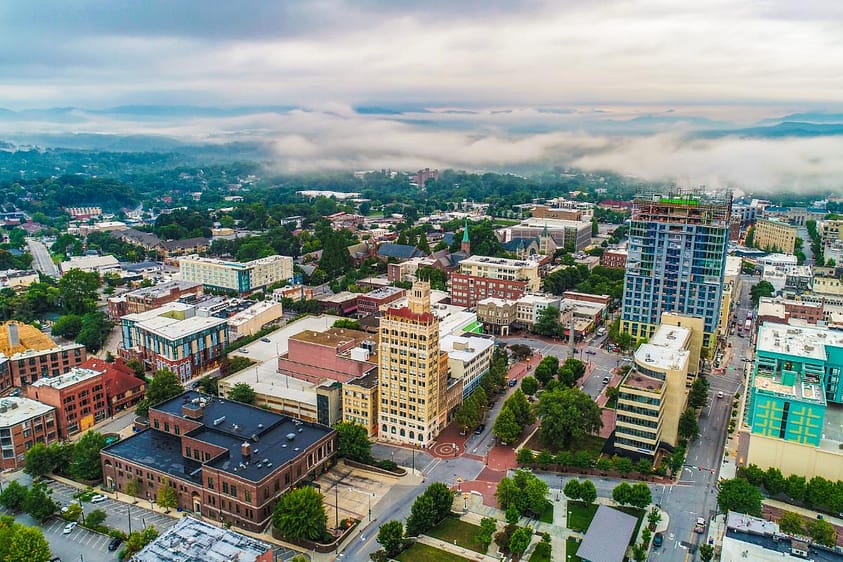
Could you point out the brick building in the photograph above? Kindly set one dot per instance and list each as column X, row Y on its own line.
column 87, row 394
column 614, row 257
column 23, row 423
column 370, row 303
column 227, row 461
column 466, row 290
column 335, row 354
column 190, row 540
column 28, row 366
column 148, row 298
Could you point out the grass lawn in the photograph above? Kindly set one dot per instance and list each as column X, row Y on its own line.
column 453, row 529
column 423, row 553
column 571, row 547
column 541, row 553
column 547, row 514
column 580, row 515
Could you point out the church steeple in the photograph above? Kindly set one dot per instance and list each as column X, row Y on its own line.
column 465, row 246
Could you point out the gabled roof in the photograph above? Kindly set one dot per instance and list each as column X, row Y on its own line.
column 400, row 251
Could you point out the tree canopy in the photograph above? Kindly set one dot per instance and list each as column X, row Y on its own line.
column 353, row 442
column 300, row 514
column 242, row 392
column 164, row 385
column 567, row 415
column 739, row 495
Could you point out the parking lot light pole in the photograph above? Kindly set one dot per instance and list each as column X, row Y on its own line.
column 129, row 514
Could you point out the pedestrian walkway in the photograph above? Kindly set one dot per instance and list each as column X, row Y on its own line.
column 454, row 549
column 811, row 514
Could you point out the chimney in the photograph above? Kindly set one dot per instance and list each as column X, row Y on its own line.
column 246, row 450
column 14, row 335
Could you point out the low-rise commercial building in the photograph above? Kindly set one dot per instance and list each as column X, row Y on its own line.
column 614, row 257
column 250, row 321
column 336, row 354
column 23, row 423
column 469, row 358
column 574, row 235
column 13, row 278
column 174, row 337
column 371, row 302
column 653, row 394
column 774, row 235
column 341, row 304
column 226, row 461
column 235, row 276
column 360, row 402
column 147, row 298
column 91, row 264
column 482, row 277
column 190, row 540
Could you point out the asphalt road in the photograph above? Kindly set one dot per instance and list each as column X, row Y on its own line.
column 41, row 258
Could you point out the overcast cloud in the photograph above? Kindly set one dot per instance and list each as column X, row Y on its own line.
column 532, row 82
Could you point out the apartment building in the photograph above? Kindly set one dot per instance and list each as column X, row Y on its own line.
column 226, row 461
column 653, row 394
column 174, row 337
column 676, row 262
column 234, row 276
column 774, row 235
column 481, row 277
column 614, row 257
column 23, row 423
column 413, row 372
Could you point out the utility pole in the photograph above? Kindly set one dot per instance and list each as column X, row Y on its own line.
column 129, row 513
column 337, row 504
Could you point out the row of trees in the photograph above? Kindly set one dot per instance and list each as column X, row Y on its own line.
column 818, row 492
column 584, row 459
column 80, row 460
column 428, row 510
column 21, row 543
column 516, row 414
column 35, row 501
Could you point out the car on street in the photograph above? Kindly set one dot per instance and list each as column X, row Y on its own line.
column 700, row 525
column 658, row 539
column 266, row 340
column 115, row 542
column 513, row 382
column 69, row 528
column 480, row 429
column 243, row 351
column 606, row 380
column 720, row 394
column 590, row 352
column 97, row 498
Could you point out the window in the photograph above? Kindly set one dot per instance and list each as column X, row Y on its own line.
column 187, row 451
column 210, row 483
column 233, row 491
column 167, row 427
column 247, row 495
column 155, row 423
column 225, row 487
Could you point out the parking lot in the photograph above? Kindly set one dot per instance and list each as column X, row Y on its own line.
column 117, row 512
column 354, row 491
column 79, row 544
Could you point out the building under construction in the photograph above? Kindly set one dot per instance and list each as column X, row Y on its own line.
column 676, row 260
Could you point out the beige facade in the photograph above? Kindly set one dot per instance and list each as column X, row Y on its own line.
column 497, row 314
column 235, row 276
column 830, row 231
column 794, row 458
column 360, row 402
column 298, row 402
column 654, row 393
column 774, row 235
column 250, row 321
column 503, row 269
column 413, row 372
column 828, row 286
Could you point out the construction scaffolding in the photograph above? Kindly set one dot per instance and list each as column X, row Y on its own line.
column 684, row 207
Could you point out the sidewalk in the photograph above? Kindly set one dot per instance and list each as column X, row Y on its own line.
column 454, row 549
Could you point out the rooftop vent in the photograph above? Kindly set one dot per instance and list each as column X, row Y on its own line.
column 246, row 450
column 291, row 436
column 219, row 420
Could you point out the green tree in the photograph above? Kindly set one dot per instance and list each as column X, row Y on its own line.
column 640, row 495
column 72, row 512
column 572, row 489
column 95, row 330
column 739, row 495
column 761, row 289
column 588, row 491
column 38, row 503
column 698, row 395
column 520, row 540
column 335, row 260
column 423, row 516
column 95, row 518
column 529, row 385
column 137, row 367
column 622, row 465
column 688, row 425
column 567, row 415
column 166, row 497
column 521, row 408
column 353, row 442
column 774, row 481
column 391, row 537
column 548, row 323
column 85, row 464
column 821, row 531
column 136, row 541
column 753, row 474
column 525, row 456
column 818, row 491
column 347, row 324
column 506, row 428
column 706, row 552
column 654, row 517
column 134, row 487
column 535, row 491
column 300, row 514
column 488, row 527
column 639, row 553
column 67, row 326
column 443, row 499
column 511, row 515
column 622, row 493
column 468, row 415
column 13, row 496
column 40, row 460
column 28, row 545
column 792, row 523
column 164, row 385
column 242, row 392
column 796, row 487
column 78, row 291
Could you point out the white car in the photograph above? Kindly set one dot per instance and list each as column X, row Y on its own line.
column 98, row 498
column 69, row 528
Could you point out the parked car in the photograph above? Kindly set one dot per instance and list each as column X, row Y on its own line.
column 115, row 542
column 69, row 528
column 97, row 498
column 480, row 429
column 700, row 525
column 606, row 380
column 266, row 340
column 513, row 382
column 658, row 539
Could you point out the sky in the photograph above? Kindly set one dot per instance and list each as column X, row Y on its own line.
column 625, row 85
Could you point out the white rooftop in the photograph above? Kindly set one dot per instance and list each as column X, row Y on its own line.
column 73, row 376
column 666, row 349
column 799, row 341
column 172, row 328
column 733, row 266
column 170, row 307
column 498, row 262
column 16, row 410
column 465, row 349
column 258, row 308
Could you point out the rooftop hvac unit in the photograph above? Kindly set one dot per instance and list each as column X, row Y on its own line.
column 219, row 420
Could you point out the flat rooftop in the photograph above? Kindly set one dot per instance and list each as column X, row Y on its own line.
column 383, row 293
column 497, row 262
column 169, row 308
column 15, row 410
column 639, row 381
column 805, row 342
column 369, row 380
column 331, row 337
column 157, row 450
column 73, row 376
column 173, row 328
column 464, row 348
column 666, row 349
column 191, row 540
column 341, row 297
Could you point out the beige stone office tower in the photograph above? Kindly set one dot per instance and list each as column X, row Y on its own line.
column 413, row 372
